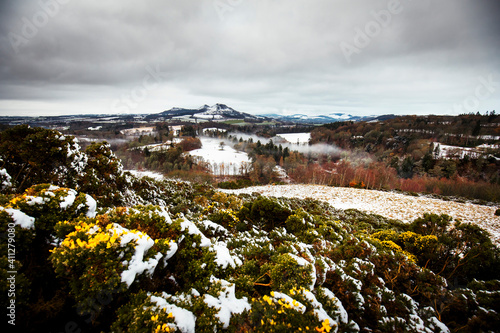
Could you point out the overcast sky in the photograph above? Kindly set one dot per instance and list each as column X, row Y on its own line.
column 362, row 57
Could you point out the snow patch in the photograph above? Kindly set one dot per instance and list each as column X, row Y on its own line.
column 92, row 206
column 223, row 257
column 222, row 159
column 298, row 138
column 226, row 302
column 69, row 199
column 137, row 265
column 319, row 312
column 184, row 319
column 20, row 218
column 293, row 303
column 193, row 230
column 342, row 313
column 5, row 179
column 214, row 226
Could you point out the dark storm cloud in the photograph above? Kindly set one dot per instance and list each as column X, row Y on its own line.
column 281, row 56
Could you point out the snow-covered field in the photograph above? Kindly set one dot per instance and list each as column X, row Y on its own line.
column 223, row 160
column 389, row 204
column 138, row 131
column 150, row 174
column 447, row 151
column 298, row 138
column 159, row 146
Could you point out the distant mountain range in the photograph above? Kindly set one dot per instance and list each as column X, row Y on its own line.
column 221, row 112
column 322, row 119
column 217, row 112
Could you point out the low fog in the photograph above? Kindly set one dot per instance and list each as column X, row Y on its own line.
column 304, row 148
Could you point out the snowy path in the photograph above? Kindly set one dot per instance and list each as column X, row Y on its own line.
column 389, row 204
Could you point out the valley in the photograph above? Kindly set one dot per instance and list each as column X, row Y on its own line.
column 216, row 227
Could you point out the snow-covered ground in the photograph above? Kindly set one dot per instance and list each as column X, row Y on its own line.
column 214, row 129
column 138, row 131
column 159, row 146
column 223, row 160
column 150, row 174
column 389, row 204
column 447, row 151
column 298, row 138
column 208, row 116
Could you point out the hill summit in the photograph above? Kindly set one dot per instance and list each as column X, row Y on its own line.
column 215, row 112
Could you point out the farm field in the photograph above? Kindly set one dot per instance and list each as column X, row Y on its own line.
column 298, row 138
column 223, row 160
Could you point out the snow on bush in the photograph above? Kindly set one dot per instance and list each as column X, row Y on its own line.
column 388, row 204
column 179, row 257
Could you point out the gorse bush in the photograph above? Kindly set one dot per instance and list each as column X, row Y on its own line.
column 31, row 217
column 153, row 272
column 180, row 257
column 267, row 212
column 32, row 156
column 35, row 155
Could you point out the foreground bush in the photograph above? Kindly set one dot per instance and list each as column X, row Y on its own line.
column 296, row 265
column 137, row 255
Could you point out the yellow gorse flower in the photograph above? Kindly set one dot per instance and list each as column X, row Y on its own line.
column 15, row 200
column 267, row 299
column 95, row 236
column 162, row 328
column 325, row 326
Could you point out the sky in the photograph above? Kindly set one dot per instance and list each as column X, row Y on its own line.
column 364, row 57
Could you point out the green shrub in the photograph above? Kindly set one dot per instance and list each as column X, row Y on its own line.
column 297, row 222
column 288, row 271
column 239, row 183
column 205, row 261
column 34, row 155
column 142, row 315
column 268, row 212
column 226, row 218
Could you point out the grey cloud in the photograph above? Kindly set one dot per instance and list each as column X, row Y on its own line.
column 279, row 55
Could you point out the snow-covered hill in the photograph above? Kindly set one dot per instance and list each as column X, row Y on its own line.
column 319, row 119
column 221, row 112
column 214, row 112
column 388, row 204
